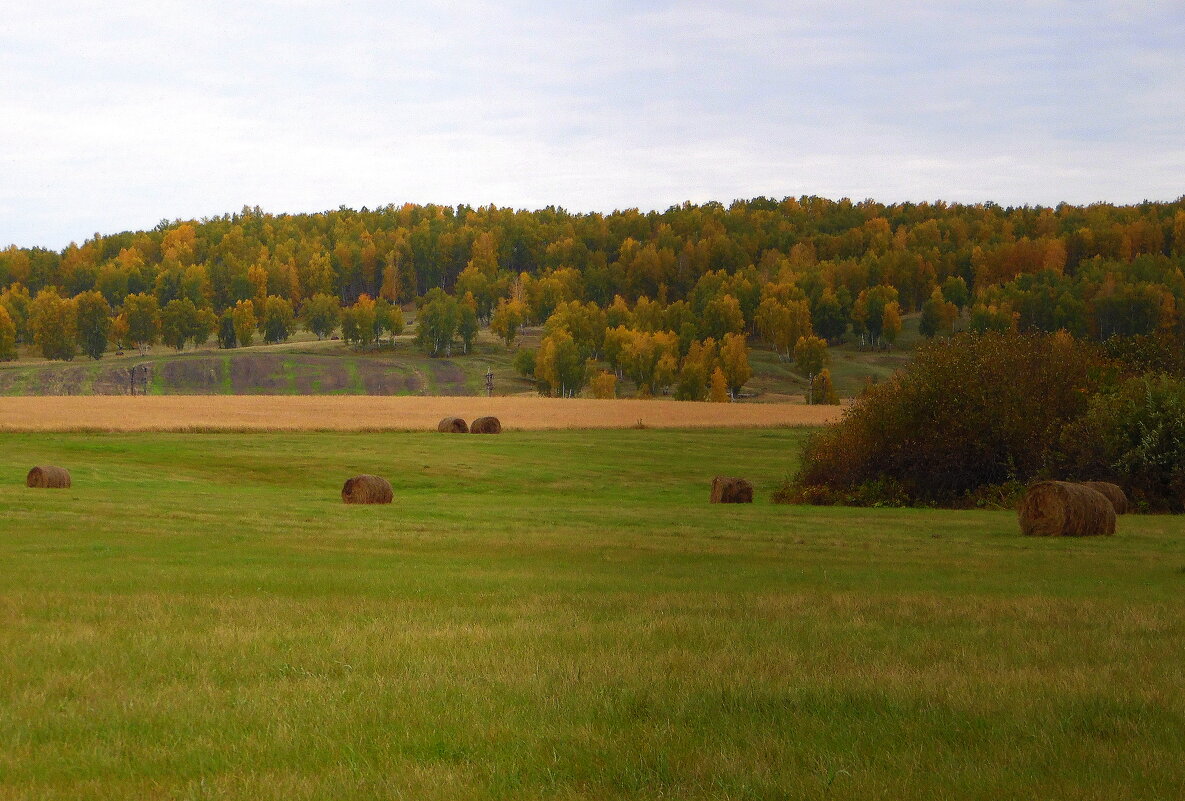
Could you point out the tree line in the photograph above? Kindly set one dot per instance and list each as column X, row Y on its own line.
column 782, row 271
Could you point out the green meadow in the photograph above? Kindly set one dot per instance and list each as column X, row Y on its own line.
column 560, row 615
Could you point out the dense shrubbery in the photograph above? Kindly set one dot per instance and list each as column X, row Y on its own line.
column 970, row 412
column 1133, row 436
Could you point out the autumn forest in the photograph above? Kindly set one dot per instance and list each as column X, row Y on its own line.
column 670, row 299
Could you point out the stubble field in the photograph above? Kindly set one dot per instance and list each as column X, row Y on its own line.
column 559, row 614
column 383, row 413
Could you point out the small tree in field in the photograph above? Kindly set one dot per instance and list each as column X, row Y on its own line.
column 322, row 314
column 279, row 320
column 734, row 360
column 719, row 391
column 604, row 385
column 142, row 312
column 54, row 322
column 811, row 356
column 94, row 323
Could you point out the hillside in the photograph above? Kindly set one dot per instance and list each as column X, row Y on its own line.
column 307, row 366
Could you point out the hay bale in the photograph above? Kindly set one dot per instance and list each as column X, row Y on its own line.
column 1064, row 509
column 48, row 477
column 453, row 425
column 731, row 490
column 486, row 425
column 367, row 489
column 1112, row 492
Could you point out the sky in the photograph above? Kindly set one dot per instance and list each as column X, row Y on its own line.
column 114, row 116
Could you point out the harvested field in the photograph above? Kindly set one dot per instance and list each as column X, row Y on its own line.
column 391, row 413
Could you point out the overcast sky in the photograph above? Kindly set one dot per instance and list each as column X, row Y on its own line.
column 114, row 115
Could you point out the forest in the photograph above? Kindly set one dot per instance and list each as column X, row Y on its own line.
column 670, row 299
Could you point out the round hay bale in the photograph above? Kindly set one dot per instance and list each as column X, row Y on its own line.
column 48, row 477
column 486, row 425
column 367, row 489
column 1112, row 492
column 731, row 490
column 453, row 425
column 1064, row 509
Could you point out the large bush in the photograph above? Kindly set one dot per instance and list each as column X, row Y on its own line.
column 971, row 411
column 1135, row 437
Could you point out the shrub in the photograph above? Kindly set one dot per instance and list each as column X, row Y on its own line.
column 969, row 411
column 1133, row 436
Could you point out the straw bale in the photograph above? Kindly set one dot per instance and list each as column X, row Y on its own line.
column 453, row 425
column 1064, row 509
column 486, row 425
column 48, row 477
column 367, row 489
column 731, row 490
column 1112, row 492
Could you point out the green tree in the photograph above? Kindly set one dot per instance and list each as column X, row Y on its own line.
column 467, row 322
column 559, row 367
column 142, row 313
column 94, row 323
column 829, row 320
column 178, row 321
column 322, row 314
column 722, row 315
column 226, row 330
column 279, row 319
column 437, row 323
column 509, row 316
column 53, row 321
column 734, row 360
column 811, row 356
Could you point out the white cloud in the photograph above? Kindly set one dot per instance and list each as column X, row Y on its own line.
column 116, row 115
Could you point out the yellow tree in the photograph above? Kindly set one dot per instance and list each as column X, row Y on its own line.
column 243, row 318
column 7, row 336
column 891, row 322
column 719, row 391
column 811, row 356
column 507, row 319
column 52, row 319
column 734, row 360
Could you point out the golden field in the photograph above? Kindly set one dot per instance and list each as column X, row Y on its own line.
column 384, row 413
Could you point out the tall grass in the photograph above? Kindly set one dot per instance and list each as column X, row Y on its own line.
column 559, row 614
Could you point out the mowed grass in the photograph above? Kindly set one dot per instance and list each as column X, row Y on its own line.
column 560, row 615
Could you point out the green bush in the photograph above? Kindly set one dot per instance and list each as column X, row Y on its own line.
column 1133, row 436
column 969, row 411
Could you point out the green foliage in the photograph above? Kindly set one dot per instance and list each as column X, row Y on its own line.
column 811, row 355
column 1133, row 436
column 142, row 313
column 278, row 321
column 94, row 323
column 437, row 323
column 53, row 321
column 524, row 362
column 967, row 412
column 322, row 314
column 182, row 322
column 227, row 338
column 559, row 367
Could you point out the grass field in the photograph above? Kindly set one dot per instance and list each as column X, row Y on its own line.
column 560, row 615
